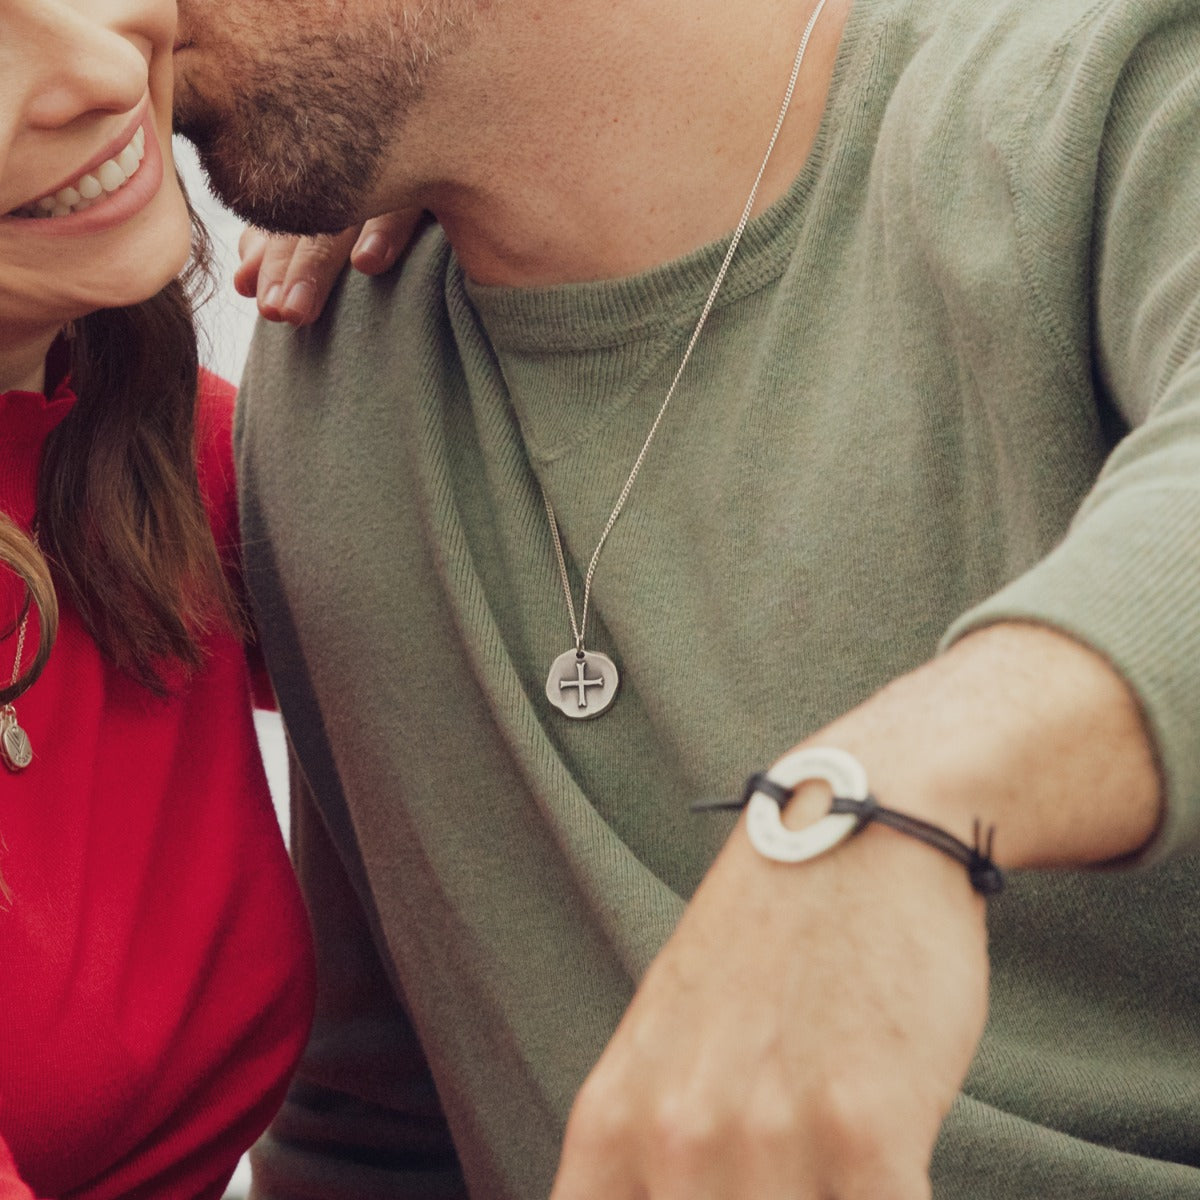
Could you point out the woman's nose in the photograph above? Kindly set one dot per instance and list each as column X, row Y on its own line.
column 85, row 58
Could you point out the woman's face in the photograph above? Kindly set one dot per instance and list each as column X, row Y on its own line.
column 91, row 213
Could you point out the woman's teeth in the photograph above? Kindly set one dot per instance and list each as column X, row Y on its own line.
column 110, row 176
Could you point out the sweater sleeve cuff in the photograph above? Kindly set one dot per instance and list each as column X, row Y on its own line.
column 1126, row 583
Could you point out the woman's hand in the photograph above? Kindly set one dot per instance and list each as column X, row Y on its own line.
column 291, row 277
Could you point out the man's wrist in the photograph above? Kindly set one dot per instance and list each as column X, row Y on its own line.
column 852, row 807
column 1019, row 728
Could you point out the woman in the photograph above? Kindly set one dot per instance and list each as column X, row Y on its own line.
column 158, row 985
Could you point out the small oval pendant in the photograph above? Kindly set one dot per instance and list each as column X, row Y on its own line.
column 15, row 747
column 582, row 684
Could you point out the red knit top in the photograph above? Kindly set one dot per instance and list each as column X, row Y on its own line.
column 155, row 972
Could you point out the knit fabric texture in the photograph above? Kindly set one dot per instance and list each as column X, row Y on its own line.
column 953, row 378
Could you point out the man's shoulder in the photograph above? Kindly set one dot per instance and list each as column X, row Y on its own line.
column 315, row 399
column 369, row 324
column 1001, row 19
column 1005, row 93
column 1022, row 40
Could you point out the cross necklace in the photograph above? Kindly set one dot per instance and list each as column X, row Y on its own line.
column 583, row 683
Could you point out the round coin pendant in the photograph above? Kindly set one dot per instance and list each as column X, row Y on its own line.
column 14, row 744
column 582, row 684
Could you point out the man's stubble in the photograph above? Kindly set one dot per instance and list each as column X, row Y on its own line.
column 294, row 124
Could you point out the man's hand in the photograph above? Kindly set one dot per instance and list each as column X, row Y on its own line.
column 806, row 1028
column 801, row 1036
column 291, row 277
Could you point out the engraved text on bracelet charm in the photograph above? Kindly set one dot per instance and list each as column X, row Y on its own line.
column 582, row 683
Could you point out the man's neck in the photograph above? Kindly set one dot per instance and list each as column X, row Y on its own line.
column 637, row 140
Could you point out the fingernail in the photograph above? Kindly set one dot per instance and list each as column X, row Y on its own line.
column 299, row 302
column 271, row 299
column 375, row 247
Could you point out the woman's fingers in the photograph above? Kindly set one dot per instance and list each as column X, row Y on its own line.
column 291, row 277
column 383, row 240
column 252, row 246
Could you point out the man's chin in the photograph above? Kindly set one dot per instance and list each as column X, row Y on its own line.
column 277, row 201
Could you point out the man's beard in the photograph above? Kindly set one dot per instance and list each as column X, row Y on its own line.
column 297, row 141
column 294, row 163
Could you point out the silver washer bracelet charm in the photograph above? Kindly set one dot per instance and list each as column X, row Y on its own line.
column 764, row 819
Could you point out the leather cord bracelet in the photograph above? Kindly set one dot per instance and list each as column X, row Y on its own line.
column 853, row 807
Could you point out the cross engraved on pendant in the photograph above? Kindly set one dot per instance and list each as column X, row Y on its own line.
column 581, row 682
column 594, row 693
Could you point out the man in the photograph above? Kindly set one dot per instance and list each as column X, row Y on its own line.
column 911, row 476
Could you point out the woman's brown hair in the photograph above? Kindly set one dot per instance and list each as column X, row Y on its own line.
column 120, row 514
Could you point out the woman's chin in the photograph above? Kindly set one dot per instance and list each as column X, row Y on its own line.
column 122, row 281
column 67, row 273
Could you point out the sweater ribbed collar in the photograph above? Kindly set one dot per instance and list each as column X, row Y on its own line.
column 570, row 356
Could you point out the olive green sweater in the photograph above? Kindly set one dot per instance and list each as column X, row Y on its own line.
column 953, row 377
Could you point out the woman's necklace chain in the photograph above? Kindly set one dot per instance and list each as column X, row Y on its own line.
column 569, row 686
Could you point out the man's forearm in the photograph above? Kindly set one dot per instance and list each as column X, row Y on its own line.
column 1024, row 729
column 805, row 1030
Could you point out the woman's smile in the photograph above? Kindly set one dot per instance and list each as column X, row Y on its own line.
column 114, row 185
column 91, row 214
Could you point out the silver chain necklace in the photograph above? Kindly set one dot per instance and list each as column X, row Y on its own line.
column 583, row 683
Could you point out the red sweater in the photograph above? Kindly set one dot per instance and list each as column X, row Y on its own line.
column 157, row 978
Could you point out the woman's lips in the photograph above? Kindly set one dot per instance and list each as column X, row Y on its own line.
column 122, row 193
column 109, row 153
